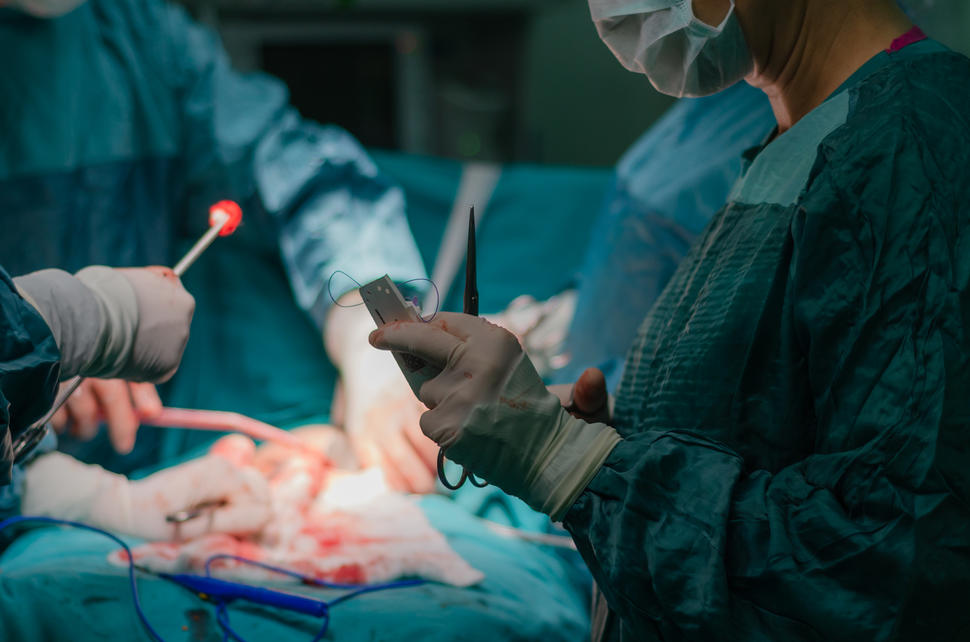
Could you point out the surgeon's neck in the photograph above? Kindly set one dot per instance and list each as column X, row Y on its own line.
column 805, row 49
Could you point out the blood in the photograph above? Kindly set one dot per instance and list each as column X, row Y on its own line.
column 332, row 525
column 512, row 403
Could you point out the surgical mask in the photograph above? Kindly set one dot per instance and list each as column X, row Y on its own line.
column 679, row 54
column 46, row 8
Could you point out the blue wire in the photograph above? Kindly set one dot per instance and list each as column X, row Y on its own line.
column 222, row 617
column 276, row 569
column 306, row 579
column 375, row 587
column 222, row 611
column 131, row 558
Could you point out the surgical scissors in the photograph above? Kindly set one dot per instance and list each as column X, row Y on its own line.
column 470, row 306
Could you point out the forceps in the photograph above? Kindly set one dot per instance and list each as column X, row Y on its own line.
column 470, row 306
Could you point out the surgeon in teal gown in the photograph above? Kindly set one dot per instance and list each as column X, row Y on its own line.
column 797, row 454
column 665, row 190
column 789, row 456
column 122, row 122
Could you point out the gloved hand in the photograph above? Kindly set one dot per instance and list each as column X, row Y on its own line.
column 165, row 312
column 120, row 404
column 57, row 485
column 383, row 424
column 380, row 414
column 126, row 323
column 492, row 413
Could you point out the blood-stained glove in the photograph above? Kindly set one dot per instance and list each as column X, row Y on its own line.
column 492, row 413
column 57, row 485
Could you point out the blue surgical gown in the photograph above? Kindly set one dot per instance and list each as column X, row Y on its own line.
column 666, row 188
column 29, row 369
column 795, row 461
column 122, row 122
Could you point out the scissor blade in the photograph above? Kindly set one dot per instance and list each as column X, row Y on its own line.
column 471, row 271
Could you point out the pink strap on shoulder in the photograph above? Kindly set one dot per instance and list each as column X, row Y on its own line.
column 912, row 36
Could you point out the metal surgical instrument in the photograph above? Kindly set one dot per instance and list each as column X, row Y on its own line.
column 470, row 306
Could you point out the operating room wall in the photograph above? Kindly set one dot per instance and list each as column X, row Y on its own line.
column 572, row 102
column 580, row 106
column 948, row 21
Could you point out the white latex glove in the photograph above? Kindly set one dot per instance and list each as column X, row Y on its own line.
column 492, row 413
column 59, row 486
column 381, row 415
column 128, row 323
column 120, row 404
column 165, row 312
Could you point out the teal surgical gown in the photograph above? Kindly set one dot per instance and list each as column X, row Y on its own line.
column 666, row 188
column 29, row 369
column 795, row 410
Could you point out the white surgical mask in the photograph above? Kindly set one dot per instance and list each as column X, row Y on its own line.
column 46, row 8
column 679, row 54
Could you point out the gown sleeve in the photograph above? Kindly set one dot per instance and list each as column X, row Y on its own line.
column 29, row 369
column 866, row 537
column 330, row 205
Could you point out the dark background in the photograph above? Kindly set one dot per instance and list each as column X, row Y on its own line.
column 493, row 80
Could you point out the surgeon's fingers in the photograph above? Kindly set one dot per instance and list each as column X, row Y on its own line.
column 242, row 515
column 426, row 449
column 162, row 271
column 59, row 419
column 119, row 412
column 244, row 495
column 402, row 457
column 438, row 426
column 370, row 455
column 458, row 324
column 83, row 412
column 434, row 391
column 425, row 340
column 589, row 393
column 238, row 449
column 145, row 398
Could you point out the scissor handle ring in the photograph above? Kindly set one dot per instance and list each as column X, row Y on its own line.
column 476, row 482
column 465, row 475
column 441, row 473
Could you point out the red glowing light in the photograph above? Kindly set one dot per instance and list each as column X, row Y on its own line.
column 232, row 210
